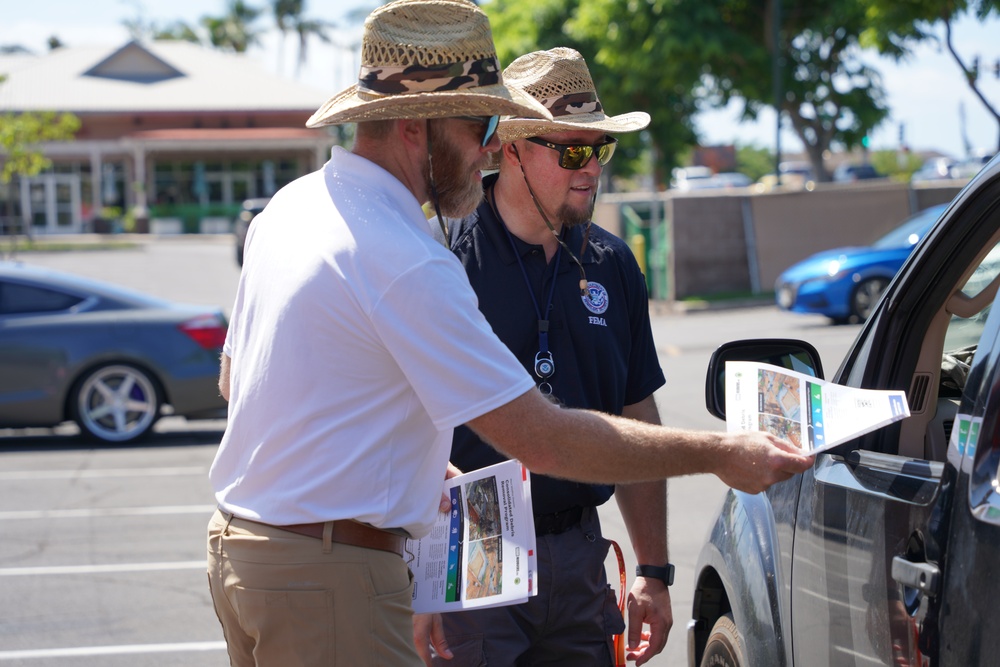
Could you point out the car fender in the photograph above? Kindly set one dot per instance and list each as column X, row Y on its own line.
column 883, row 270
column 751, row 583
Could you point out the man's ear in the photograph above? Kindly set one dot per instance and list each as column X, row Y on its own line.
column 509, row 151
column 412, row 132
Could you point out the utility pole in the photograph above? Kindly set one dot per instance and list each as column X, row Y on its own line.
column 778, row 88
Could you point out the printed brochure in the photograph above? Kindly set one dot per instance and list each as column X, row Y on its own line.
column 482, row 552
column 812, row 414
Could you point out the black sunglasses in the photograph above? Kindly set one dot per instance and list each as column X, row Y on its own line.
column 576, row 156
column 491, row 126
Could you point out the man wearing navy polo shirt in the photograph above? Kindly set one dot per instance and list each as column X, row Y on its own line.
column 570, row 301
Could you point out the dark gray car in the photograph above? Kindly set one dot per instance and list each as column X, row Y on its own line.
column 886, row 551
column 110, row 359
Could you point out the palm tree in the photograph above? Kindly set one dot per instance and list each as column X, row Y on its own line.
column 284, row 11
column 142, row 29
column 288, row 16
column 233, row 31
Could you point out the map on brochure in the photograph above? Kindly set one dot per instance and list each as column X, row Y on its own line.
column 482, row 552
column 812, row 414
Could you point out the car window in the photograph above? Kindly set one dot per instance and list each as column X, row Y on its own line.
column 16, row 298
column 911, row 231
column 964, row 332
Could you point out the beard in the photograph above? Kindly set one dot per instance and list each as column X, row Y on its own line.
column 571, row 216
column 458, row 191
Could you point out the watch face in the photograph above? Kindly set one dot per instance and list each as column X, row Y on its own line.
column 664, row 574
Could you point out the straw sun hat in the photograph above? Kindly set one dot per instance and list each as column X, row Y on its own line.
column 560, row 81
column 426, row 59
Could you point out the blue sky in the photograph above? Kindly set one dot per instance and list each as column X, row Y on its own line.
column 926, row 94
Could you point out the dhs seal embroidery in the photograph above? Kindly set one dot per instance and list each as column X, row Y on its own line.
column 596, row 298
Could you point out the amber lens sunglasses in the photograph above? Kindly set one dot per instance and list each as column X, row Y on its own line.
column 576, row 156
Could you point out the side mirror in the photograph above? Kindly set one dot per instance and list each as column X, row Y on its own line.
column 795, row 355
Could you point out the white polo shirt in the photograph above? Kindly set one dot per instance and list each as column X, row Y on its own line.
column 357, row 346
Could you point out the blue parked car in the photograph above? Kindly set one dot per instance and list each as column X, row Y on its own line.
column 845, row 283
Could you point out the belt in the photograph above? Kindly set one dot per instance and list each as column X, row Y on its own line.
column 347, row 531
column 558, row 522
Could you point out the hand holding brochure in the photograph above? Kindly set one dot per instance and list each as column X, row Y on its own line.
column 482, row 552
column 812, row 414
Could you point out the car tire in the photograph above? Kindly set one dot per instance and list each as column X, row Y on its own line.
column 724, row 647
column 115, row 403
column 865, row 296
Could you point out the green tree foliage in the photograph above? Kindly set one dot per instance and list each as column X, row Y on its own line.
column 21, row 133
column 896, row 27
column 672, row 57
column 234, row 31
column 140, row 28
column 899, row 166
column 178, row 31
column 624, row 44
column 754, row 161
column 829, row 96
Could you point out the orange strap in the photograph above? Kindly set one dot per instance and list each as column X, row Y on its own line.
column 619, row 640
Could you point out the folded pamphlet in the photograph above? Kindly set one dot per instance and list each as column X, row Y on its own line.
column 482, row 552
column 808, row 412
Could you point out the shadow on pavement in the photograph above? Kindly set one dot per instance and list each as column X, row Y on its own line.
column 67, row 437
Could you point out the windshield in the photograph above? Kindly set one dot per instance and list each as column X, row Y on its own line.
column 911, row 231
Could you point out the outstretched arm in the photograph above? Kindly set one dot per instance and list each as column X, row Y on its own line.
column 573, row 444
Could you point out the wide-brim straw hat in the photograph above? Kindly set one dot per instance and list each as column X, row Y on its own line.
column 427, row 59
column 560, row 81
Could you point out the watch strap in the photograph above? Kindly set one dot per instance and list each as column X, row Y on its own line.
column 664, row 573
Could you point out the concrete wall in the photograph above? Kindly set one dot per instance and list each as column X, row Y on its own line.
column 738, row 242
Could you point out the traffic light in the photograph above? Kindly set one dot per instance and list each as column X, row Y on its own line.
column 865, row 141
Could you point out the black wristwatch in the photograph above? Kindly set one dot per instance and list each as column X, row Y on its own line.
column 664, row 574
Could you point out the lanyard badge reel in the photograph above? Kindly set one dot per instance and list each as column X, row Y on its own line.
column 545, row 367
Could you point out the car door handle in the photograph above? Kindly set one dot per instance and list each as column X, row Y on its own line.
column 925, row 577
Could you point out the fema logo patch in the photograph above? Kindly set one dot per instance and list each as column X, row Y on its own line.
column 596, row 299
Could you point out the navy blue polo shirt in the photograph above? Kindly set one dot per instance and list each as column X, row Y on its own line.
column 603, row 348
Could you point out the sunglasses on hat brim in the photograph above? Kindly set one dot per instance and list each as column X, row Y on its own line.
column 576, row 156
column 490, row 122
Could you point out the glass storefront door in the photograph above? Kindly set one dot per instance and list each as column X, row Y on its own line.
column 51, row 203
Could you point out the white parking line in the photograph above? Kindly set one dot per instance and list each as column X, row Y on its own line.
column 107, row 511
column 101, row 569
column 106, row 472
column 111, row 650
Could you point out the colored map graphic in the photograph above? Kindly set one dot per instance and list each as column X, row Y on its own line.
column 780, row 405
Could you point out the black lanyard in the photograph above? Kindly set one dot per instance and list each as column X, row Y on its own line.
column 545, row 365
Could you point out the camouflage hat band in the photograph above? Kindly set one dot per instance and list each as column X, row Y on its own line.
column 427, row 59
column 576, row 103
column 429, row 79
column 560, row 81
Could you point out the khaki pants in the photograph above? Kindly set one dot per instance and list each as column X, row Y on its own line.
column 287, row 600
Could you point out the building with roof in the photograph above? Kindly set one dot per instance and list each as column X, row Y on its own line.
column 173, row 137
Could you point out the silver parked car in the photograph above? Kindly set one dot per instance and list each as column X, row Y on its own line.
column 886, row 551
column 110, row 359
